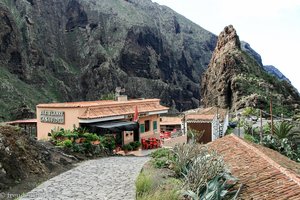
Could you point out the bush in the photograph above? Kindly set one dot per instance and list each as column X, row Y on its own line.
column 91, row 137
column 127, row 147
column 67, row 143
column 249, row 138
column 135, row 145
column 108, row 142
column 160, row 158
column 283, row 146
column 163, row 152
column 66, row 138
column 78, row 148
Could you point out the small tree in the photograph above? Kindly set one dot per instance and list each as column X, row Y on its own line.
column 195, row 135
column 108, row 96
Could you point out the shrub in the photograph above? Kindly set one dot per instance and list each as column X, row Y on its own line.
column 249, row 138
column 283, row 146
column 108, row 142
column 270, row 142
column 250, row 111
column 127, row 147
column 163, row 152
column 67, row 143
column 57, row 133
column 160, row 162
column 78, row 148
column 87, row 146
column 135, row 145
column 161, row 158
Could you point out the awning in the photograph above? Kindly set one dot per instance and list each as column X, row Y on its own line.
column 117, row 126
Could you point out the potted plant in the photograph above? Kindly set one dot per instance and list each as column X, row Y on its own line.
column 96, row 142
column 126, row 148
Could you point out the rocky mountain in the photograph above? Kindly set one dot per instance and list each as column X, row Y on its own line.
column 275, row 72
column 235, row 79
column 73, row 50
column 251, row 52
column 268, row 68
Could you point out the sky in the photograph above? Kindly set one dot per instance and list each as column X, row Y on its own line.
column 271, row 27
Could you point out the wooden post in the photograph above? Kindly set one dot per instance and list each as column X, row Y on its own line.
column 271, row 112
column 261, row 129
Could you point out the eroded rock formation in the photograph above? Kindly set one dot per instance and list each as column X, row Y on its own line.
column 235, row 80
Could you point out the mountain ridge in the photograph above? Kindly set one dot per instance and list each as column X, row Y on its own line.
column 76, row 50
column 82, row 50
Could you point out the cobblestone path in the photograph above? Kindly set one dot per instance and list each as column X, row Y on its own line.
column 110, row 178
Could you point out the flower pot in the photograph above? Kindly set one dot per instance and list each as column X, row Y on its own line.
column 97, row 142
column 80, row 140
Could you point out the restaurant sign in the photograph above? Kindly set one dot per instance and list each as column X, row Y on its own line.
column 52, row 116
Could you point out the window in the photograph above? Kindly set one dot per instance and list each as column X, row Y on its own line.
column 154, row 125
column 147, row 125
column 142, row 128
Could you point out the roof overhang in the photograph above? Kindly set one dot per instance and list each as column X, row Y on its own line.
column 117, row 125
column 102, row 119
column 158, row 112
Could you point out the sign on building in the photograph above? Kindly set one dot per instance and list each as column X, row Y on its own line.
column 53, row 117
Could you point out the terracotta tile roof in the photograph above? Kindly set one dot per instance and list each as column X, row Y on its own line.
column 263, row 176
column 93, row 103
column 208, row 111
column 170, row 120
column 74, row 104
column 24, row 121
column 199, row 117
column 123, row 108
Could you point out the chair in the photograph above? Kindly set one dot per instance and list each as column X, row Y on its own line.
column 153, row 143
column 158, row 143
column 145, row 144
column 167, row 134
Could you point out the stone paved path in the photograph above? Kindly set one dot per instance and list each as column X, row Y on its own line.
column 110, row 178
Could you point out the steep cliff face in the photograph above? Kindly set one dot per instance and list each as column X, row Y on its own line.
column 82, row 49
column 236, row 80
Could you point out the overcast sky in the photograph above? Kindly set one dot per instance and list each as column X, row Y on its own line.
column 271, row 27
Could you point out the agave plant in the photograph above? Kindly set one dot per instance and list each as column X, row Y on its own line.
column 203, row 168
column 183, row 155
column 218, row 188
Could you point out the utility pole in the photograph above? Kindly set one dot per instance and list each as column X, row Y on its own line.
column 271, row 112
column 261, row 129
column 218, row 124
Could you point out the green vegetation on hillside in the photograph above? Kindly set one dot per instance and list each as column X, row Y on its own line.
column 285, row 138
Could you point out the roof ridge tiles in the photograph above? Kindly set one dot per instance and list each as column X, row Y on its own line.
column 292, row 176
